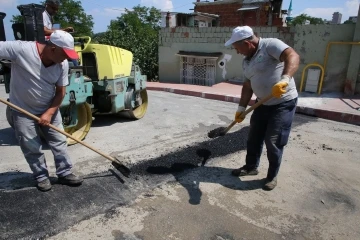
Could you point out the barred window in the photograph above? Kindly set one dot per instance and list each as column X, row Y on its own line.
column 198, row 71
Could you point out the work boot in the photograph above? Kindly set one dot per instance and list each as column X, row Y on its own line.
column 44, row 185
column 71, row 180
column 270, row 184
column 243, row 171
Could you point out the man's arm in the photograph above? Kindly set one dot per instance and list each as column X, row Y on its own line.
column 59, row 96
column 246, row 94
column 48, row 32
column 291, row 61
column 10, row 50
column 60, row 90
column 45, row 118
column 284, row 53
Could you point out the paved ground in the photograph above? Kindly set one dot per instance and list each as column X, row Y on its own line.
column 172, row 195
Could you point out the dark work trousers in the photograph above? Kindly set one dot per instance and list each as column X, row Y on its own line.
column 271, row 124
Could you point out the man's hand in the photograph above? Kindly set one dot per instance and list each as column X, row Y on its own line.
column 69, row 29
column 45, row 119
column 280, row 88
column 239, row 112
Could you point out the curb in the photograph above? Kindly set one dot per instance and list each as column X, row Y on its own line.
column 206, row 95
column 313, row 112
column 330, row 115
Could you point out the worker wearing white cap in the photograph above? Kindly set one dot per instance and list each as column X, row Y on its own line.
column 268, row 68
column 39, row 75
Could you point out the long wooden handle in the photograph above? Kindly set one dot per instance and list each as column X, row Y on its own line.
column 58, row 130
column 247, row 111
column 256, row 105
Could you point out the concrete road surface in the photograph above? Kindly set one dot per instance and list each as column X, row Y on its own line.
column 181, row 187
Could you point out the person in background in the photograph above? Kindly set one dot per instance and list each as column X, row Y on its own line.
column 51, row 9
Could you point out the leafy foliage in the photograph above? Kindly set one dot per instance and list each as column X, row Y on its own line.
column 299, row 20
column 349, row 22
column 137, row 31
column 71, row 14
column 16, row 19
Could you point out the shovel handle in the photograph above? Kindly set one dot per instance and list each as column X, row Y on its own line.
column 247, row 111
column 58, row 130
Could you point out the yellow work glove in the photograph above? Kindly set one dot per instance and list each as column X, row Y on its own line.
column 239, row 112
column 280, row 88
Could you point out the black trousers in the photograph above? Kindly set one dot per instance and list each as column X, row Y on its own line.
column 272, row 125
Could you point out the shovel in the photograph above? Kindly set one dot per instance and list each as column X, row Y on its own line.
column 115, row 162
column 222, row 131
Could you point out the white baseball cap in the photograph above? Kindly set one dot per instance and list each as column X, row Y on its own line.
column 65, row 41
column 239, row 33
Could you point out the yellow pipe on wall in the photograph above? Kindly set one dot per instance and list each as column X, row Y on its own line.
column 327, row 55
column 306, row 67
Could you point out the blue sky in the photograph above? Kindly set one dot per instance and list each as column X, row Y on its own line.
column 105, row 10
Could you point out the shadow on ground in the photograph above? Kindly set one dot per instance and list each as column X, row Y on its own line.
column 206, row 174
column 19, row 180
column 28, row 213
column 108, row 120
column 7, row 137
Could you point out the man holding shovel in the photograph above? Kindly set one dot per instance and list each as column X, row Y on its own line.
column 268, row 66
column 39, row 75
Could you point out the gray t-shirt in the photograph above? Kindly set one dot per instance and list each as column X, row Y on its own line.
column 32, row 85
column 264, row 70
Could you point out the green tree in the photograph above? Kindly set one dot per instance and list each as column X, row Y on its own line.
column 98, row 37
column 137, row 31
column 71, row 13
column 16, row 19
column 349, row 22
column 299, row 20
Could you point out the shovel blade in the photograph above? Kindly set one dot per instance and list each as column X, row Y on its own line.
column 122, row 169
column 217, row 132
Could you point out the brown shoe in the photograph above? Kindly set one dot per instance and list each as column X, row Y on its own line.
column 71, row 180
column 243, row 171
column 44, row 185
column 270, row 184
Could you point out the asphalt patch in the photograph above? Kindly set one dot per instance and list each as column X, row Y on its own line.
column 205, row 154
column 337, row 199
column 29, row 213
column 217, row 132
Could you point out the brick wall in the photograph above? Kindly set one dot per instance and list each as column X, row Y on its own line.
column 219, row 35
column 230, row 17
